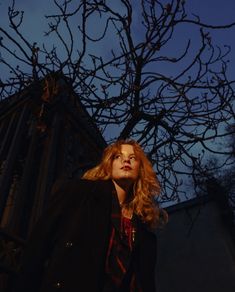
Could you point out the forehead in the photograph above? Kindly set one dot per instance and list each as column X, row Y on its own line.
column 126, row 148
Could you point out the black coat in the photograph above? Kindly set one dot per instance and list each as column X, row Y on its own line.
column 67, row 249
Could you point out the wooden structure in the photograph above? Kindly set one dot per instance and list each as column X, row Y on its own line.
column 45, row 135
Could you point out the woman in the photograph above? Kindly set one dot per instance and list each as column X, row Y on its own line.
column 96, row 236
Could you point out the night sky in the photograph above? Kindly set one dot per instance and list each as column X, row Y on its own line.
column 211, row 11
column 215, row 12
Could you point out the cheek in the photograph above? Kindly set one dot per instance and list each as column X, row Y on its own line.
column 114, row 167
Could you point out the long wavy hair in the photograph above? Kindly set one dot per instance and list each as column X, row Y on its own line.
column 145, row 188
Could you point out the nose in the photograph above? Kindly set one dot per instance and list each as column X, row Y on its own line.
column 126, row 160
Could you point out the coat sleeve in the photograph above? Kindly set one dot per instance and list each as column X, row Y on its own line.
column 41, row 242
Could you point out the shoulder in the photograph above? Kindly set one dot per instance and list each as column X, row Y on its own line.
column 70, row 184
column 88, row 185
column 72, row 187
column 76, row 193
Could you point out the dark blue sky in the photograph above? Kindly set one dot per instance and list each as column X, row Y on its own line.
column 216, row 12
column 211, row 11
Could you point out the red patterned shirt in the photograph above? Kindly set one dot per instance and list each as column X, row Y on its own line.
column 120, row 276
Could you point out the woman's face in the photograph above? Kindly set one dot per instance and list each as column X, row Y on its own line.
column 125, row 164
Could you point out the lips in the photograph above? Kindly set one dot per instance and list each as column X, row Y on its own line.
column 126, row 167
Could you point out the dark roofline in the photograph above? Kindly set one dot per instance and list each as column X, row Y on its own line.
column 78, row 111
column 191, row 203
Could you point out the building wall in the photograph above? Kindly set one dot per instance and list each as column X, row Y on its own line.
column 43, row 138
column 46, row 136
column 196, row 252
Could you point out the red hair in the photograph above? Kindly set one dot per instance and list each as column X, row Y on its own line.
column 146, row 187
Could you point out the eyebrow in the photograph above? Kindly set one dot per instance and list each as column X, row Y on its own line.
column 129, row 155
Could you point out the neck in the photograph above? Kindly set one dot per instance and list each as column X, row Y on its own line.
column 123, row 190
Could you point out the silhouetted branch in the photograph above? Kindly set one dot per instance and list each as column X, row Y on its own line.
column 117, row 58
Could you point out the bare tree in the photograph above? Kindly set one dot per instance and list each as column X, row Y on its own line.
column 217, row 181
column 124, row 61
